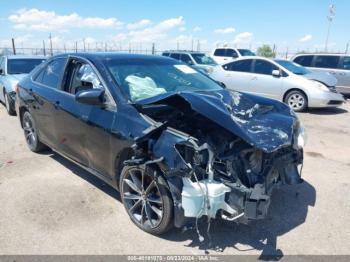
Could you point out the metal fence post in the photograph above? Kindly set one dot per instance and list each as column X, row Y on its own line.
column 13, row 46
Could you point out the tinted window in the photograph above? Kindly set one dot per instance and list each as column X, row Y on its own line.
column 175, row 56
column 264, row 67
column 203, row 59
column 22, row 66
column 2, row 64
column 293, row 67
column 165, row 54
column 246, row 52
column 220, row 52
column 239, row 66
column 231, row 53
column 327, row 61
column 51, row 73
column 304, row 60
column 186, row 58
column 346, row 63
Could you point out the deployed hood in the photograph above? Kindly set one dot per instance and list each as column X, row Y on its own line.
column 263, row 123
column 323, row 77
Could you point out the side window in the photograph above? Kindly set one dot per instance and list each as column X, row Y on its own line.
column 51, row 74
column 327, row 61
column 346, row 63
column 304, row 60
column 165, row 54
column 186, row 58
column 83, row 78
column 239, row 66
column 220, row 52
column 2, row 64
column 175, row 56
column 264, row 67
column 231, row 53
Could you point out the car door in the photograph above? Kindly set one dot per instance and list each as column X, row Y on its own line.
column 43, row 91
column 262, row 82
column 343, row 75
column 237, row 75
column 82, row 129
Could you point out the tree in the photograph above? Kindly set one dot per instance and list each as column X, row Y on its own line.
column 266, row 51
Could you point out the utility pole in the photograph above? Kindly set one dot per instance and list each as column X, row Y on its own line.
column 44, row 48
column 13, row 46
column 347, row 47
column 330, row 18
column 192, row 44
column 153, row 49
column 76, row 46
column 51, row 51
column 84, row 44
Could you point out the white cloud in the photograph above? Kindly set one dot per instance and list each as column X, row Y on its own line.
column 139, row 24
column 197, row 29
column 182, row 29
column 40, row 20
column 153, row 33
column 243, row 38
column 305, row 38
column 227, row 30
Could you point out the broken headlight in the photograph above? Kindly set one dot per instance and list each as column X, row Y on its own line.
column 300, row 136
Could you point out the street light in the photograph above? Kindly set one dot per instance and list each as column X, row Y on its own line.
column 330, row 18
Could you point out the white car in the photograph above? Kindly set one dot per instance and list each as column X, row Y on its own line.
column 223, row 55
column 264, row 77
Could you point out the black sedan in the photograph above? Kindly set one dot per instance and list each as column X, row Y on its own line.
column 175, row 144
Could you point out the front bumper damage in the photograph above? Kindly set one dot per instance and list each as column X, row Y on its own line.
column 223, row 162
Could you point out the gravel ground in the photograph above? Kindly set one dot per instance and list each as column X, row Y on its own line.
column 50, row 206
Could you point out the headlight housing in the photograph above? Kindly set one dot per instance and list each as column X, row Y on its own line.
column 300, row 136
column 320, row 86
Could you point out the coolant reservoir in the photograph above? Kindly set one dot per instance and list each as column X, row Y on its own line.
column 194, row 194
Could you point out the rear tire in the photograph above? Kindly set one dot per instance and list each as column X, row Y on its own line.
column 9, row 109
column 31, row 134
column 296, row 100
column 146, row 199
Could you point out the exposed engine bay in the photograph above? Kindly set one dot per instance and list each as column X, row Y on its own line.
column 211, row 170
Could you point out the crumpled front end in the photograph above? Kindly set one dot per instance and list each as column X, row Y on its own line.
column 218, row 169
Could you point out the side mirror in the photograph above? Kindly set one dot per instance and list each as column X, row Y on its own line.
column 276, row 73
column 90, row 97
column 1, row 71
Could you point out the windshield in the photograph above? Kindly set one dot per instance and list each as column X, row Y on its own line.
column 293, row 67
column 22, row 66
column 203, row 59
column 246, row 52
column 144, row 78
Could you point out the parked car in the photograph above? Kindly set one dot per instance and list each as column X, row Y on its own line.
column 336, row 64
column 173, row 142
column 197, row 60
column 265, row 77
column 223, row 55
column 12, row 70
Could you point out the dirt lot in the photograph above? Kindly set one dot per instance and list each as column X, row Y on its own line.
column 50, row 206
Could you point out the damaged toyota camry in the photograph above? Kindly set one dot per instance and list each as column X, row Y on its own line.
column 176, row 144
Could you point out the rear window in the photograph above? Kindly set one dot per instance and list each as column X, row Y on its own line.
column 304, row 60
column 327, row 61
column 239, row 66
column 220, row 52
column 22, row 66
column 175, row 56
column 346, row 63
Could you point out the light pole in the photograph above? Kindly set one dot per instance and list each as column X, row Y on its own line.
column 330, row 17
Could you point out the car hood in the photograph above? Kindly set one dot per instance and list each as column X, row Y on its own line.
column 325, row 78
column 263, row 123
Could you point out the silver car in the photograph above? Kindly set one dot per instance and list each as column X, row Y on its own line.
column 336, row 64
column 12, row 70
column 265, row 77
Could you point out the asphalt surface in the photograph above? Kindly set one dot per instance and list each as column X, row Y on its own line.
column 50, row 206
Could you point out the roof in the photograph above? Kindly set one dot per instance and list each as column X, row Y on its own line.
column 25, row 57
column 324, row 54
column 183, row 51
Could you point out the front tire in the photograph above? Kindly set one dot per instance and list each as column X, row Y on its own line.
column 296, row 100
column 31, row 133
column 9, row 109
column 147, row 199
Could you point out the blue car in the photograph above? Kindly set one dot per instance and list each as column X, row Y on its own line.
column 12, row 70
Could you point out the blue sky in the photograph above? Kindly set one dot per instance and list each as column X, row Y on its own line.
column 298, row 25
